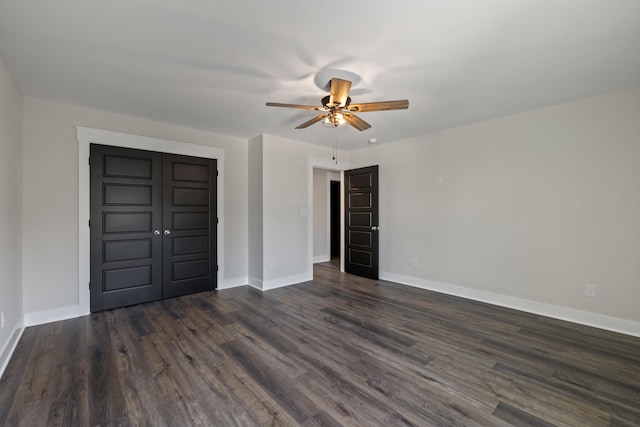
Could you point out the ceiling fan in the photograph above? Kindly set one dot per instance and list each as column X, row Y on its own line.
column 338, row 110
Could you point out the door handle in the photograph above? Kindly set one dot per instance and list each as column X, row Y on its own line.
column 375, row 228
column 167, row 232
column 156, row 232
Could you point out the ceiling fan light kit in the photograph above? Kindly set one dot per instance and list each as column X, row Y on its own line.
column 334, row 120
column 338, row 110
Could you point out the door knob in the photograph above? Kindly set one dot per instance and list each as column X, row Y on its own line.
column 156, row 232
column 167, row 232
column 375, row 228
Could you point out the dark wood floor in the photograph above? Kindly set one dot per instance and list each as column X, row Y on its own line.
column 340, row 350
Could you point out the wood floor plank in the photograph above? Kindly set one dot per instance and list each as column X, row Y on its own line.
column 96, row 329
column 346, row 401
column 285, row 392
column 517, row 417
column 16, row 368
column 70, row 403
column 582, row 397
column 247, row 393
column 134, row 374
column 35, row 391
column 533, row 397
column 188, row 404
column 339, row 350
column 105, row 394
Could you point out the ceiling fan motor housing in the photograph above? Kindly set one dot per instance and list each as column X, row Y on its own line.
column 325, row 103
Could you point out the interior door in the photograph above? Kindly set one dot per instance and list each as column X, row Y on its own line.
column 126, row 218
column 190, row 223
column 153, row 226
column 361, row 222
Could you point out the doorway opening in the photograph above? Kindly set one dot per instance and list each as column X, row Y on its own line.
column 334, row 221
column 327, row 207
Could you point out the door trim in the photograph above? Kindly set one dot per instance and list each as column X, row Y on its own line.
column 87, row 136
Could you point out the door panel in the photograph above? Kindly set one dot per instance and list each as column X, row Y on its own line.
column 128, row 167
column 189, row 250
column 137, row 196
column 127, row 250
column 360, row 238
column 361, row 222
column 126, row 207
column 126, row 278
column 183, row 221
column 127, row 194
column 127, row 222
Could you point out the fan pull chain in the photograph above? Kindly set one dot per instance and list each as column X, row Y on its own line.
column 335, row 145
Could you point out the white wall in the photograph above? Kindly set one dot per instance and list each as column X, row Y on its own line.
column 50, row 205
column 320, row 244
column 10, row 213
column 287, row 210
column 254, row 165
column 533, row 207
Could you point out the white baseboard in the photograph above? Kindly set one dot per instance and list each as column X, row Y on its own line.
column 255, row 283
column 53, row 315
column 321, row 258
column 286, row 281
column 609, row 323
column 233, row 283
column 10, row 347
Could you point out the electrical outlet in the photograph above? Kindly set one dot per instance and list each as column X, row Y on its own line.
column 2, row 321
column 415, row 262
column 439, row 178
column 590, row 290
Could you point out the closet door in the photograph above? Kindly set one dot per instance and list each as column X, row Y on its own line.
column 153, row 226
column 126, row 223
column 190, row 223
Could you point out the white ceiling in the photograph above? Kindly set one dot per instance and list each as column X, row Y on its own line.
column 212, row 65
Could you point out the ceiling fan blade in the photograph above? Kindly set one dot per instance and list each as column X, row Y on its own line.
column 316, row 119
column 304, row 107
column 356, row 122
column 380, row 106
column 339, row 92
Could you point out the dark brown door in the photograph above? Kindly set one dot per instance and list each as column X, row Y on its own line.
column 153, row 226
column 361, row 222
column 126, row 210
column 189, row 225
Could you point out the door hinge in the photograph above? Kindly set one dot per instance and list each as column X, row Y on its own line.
column 89, row 285
column 217, row 172
column 217, row 220
column 217, row 268
column 89, row 223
